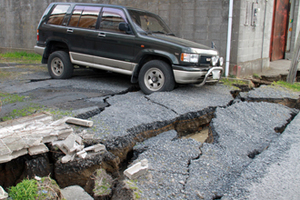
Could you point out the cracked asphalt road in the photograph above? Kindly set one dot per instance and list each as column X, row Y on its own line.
column 246, row 143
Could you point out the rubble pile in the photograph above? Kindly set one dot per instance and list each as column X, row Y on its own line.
column 28, row 135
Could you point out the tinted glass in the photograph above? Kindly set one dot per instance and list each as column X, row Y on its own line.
column 111, row 18
column 89, row 17
column 148, row 22
column 58, row 14
column 76, row 15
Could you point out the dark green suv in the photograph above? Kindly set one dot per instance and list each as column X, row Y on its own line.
column 123, row 40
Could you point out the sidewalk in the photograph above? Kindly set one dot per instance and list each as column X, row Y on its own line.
column 278, row 70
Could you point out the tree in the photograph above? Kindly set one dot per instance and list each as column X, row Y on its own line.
column 295, row 62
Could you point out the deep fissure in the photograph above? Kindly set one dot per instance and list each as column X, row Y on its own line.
column 184, row 125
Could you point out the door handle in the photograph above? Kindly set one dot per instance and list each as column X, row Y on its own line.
column 101, row 35
column 70, row 30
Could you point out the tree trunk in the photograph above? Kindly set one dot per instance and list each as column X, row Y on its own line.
column 295, row 62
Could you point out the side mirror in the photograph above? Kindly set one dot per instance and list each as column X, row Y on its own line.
column 123, row 26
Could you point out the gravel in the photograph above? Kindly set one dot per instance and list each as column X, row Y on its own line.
column 248, row 130
column 274, row 174
column 168, row 165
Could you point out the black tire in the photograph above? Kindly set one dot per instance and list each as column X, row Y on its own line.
column 156, row 76
column 59, row 65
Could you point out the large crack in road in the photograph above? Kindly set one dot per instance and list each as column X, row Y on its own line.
column 242, row 129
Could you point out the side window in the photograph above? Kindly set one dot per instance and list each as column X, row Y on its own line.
column 58, row 14
column 111, row 18
column 85, row 17
column 76, row 16
column 89, row 17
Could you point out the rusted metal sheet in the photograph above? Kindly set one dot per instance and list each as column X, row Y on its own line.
column 279, row 31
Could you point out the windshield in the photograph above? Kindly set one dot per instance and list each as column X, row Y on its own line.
column 148, row 23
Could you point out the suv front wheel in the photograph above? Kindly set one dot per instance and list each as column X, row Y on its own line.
column 156, row 76
column 59, row 65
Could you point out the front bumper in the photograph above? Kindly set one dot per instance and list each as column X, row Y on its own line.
column 197, row 76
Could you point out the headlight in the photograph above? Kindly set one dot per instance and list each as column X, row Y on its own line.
column 214, row 60
column 221, row 61
column 192, row 58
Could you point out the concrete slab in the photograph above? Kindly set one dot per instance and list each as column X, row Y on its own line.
column 75, row 193
column 35, row 150
column 136, row 170
column 3, row 194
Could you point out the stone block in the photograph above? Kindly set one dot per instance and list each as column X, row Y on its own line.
column 63, row 134
column 88, row 136
column 137, row 169
column 49, row 139
column 80, row 122
column 76, row 148
column 17, row 154
column 68, row 158
column 5, row 158
column 82, row 154
column 96, row 148
column 69, row 142
column 4, row 150
column 38, row 149
column 59, row 144
column 3, row 194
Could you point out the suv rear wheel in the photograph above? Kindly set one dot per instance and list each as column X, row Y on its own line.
column 59, row 65
column 156, row 76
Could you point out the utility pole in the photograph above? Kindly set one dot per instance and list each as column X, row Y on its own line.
column 295, row 62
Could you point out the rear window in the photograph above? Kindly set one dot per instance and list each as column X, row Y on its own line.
column 85, row 17
column 58, row 14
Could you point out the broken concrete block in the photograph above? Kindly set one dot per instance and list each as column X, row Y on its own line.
column 69, row 142
column 5, row 158
column 68, row 158
column 59, row 144
column 96, row 148
column 17, row 154
column 78, row 139
column 49, row 139
column 4, row 150
column 76, row 148
column 63, row 134
column 88, row 136
column 3, row 194
column 38, row 149
column 32, row 141
column 14, row 143
column 82, row 154
column 80, row 122
column 60, row 122
column 137, row 169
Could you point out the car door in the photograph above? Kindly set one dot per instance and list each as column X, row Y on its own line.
column 114, row 48
column 82, row 33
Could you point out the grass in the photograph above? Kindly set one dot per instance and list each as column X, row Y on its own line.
column 133, row 186
column 232, row 82
column 27, row 189
column 6, row 98
column 26, row 111
column 31, row 189
column 294, row 87
column 20, row 56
